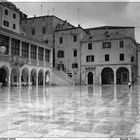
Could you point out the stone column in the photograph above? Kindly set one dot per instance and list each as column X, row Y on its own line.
column 20, row 74
column 37, row 53
column 9, row 46
column 37, row 56
column 44, row 57
column 29, row 55
column 20, row 48
column 100, row 77
column 9, row 80
column 29, row 79
column 130, row 74
column 37, row 79
column 51, row 57
column 44, row 79
column 115, row 77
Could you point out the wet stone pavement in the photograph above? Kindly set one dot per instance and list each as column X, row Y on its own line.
column 77, row 111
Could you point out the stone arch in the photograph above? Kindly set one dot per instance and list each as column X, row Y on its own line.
column 107, row 76
column 90, row 78
column 33, row 76
column 4, row 72
column 47, row 77
column 40, row 77
column 122, row 75
column 15, row 75
column 25, row 76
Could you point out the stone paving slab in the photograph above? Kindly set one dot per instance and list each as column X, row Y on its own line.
column 68, row 112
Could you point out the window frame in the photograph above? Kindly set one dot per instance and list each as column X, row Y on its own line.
column 75, row 65
column 14, row 26
column 120, row 43
column 75, row 38
column 107, row 57
column 90, row 58
column 14, row 16
column 60, row 40
column 60, row 54
column 33, row 31
column 121, row 56
column 6, row 23
column 6, row 12
column 75, row 53
column 104, row 45
column 89, row 45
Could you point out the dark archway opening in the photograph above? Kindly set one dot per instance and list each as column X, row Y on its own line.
column 90, row 78
column 107, row 76
column 33, row 77
column 122, row 75
column 3, row 77
column 40, row 78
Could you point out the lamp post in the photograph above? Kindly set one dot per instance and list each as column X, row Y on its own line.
column 2, row 49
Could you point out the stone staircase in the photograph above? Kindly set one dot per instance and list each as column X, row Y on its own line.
column 61, row 78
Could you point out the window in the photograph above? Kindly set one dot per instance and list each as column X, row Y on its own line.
column 90, row 58
column 106, row 45
column 121, row 43
column 33, row 52
column 6, row 12
column 69, row 74
column 47, row 55
column 25, row 50
column 43, row 30
column 33, row 31
column 15, row 44
column 60, row 54
column 132, row 58
column 4, row 41
column 61, row 67
column 40, row 54
column 6, row 23
column 74, row 38
column 74, row 53
column 14, row 26
column 89, row 46
column 74, row 65
column 14, row 16
column 61, row 40
column 121, row 57
column 106, row 57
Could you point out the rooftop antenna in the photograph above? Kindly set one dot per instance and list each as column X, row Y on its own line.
column 78, row 11
column 53, row 11
column 41, row 9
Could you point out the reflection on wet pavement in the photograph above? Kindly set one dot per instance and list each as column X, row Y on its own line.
column 80, row 111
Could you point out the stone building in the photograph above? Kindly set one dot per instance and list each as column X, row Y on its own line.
column 68, row 51
column 108, row 56
column 43, row 27
column 24, row 60
column 102, row 55
column 10, row 16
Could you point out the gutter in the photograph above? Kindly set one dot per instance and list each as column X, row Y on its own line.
column 1, row 16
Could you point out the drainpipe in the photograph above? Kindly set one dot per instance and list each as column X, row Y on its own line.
column 80, row 63
column 1, row 15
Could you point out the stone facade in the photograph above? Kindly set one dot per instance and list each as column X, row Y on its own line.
column 71, row 46
column 117, row 57
column 10, row 16
column 43, row 28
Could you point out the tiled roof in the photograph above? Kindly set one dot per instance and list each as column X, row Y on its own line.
column 109, row 27
column 102, row 37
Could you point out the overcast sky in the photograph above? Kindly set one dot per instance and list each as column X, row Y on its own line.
column 91, row 14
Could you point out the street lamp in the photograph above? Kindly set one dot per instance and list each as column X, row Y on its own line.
column 2, row 49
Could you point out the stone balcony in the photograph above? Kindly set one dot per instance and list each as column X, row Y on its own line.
column 22, row 61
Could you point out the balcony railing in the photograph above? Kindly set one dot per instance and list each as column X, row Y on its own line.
column 21, row 61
